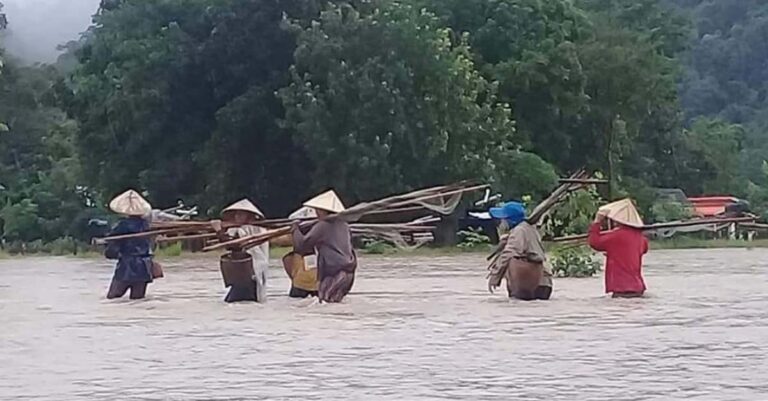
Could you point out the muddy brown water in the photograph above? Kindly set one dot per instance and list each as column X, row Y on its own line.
column 413, row 329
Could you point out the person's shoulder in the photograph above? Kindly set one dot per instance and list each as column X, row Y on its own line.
column 130, row 225
column 333, row 222
column 524, row 227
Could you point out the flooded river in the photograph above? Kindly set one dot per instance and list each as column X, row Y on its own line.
column 413, row 329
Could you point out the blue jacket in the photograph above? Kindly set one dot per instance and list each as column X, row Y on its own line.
column 134, row 258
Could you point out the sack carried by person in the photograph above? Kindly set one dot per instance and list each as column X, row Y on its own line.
column 157, row 270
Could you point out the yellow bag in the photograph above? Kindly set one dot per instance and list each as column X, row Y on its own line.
column 302, row 276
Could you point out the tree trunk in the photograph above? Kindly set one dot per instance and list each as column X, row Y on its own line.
column 446, row 230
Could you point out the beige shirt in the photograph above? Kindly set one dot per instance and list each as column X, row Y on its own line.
column 523, row 242
column 260, row 254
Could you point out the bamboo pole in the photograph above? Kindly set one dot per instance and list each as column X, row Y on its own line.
column 186, row 237
column 661, row 226
column 249, row 241
column 557, row 196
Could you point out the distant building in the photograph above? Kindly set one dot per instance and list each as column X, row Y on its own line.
column 702, row 206
column 710, row 206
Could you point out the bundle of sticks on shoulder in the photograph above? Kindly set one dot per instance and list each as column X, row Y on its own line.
column 440, row 200
column 579, row 180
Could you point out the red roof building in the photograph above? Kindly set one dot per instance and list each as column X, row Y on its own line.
column 708, row 206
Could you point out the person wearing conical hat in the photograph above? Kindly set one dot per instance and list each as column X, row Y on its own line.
column 301, row 269
column 331, row 240
column 623, row 246
column 242, row 214
column 134, row 256
column 521, row 261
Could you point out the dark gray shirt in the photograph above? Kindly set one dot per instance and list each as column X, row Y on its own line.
column 331, row 240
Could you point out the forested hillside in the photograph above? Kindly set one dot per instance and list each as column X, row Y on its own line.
column 725, row 78
column 213, row 100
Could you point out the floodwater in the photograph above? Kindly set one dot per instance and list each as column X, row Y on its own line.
column 413, row 329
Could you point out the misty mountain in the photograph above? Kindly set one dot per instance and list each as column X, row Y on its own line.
column 37, row 27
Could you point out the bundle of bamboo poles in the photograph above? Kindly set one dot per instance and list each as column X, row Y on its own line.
column 170, row 231
column 420, row 198
column 669, row 225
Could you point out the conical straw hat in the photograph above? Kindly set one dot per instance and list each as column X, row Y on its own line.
column 243, row 205
column 130, row 203
column 327, row 201
column 303, row 213
column 623, row 212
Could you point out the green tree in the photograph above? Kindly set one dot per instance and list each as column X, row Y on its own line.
column 529, row 48
column 714, row 147
column 39, row 172
column 384, row 101
column 177, row 97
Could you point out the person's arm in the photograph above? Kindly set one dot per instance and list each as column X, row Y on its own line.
column 514, row 243
column 112, row 250
column 595, row 238
column 265, row 250
column 221, row 233
column 645, row 245
column 288, row 264
column 304, row 244
column 600, row 241
column 261, row 252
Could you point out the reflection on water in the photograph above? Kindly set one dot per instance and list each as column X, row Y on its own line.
column 417, row 329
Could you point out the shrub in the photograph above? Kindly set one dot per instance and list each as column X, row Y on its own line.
column 574, row 262
column 170, row 250
column 377, row 247
column 62, row 246
column 473, row 239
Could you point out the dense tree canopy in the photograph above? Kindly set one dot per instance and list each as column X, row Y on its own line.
column 409, row 112
column 214, row 100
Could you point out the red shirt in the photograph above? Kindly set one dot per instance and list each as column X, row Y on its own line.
column 624, row 248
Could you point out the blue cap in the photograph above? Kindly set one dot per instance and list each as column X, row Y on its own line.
column 514, row 212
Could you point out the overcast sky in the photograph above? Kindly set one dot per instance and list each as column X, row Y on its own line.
column 38, row 26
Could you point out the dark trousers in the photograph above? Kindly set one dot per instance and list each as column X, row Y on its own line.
column 333, row 289
column 241, row 292
column 541, row 293
column 299, row 293
column 117, row 289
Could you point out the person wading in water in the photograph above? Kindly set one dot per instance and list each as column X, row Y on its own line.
column 134, row 268
column 623, row 246
column 521, row 262
column 301, row 269
column 331, row 240
column 244, row 213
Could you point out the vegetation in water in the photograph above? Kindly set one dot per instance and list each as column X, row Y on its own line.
column 574, row 215
column 576, row 261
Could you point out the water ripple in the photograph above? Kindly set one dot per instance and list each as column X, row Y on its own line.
column 416, row 329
